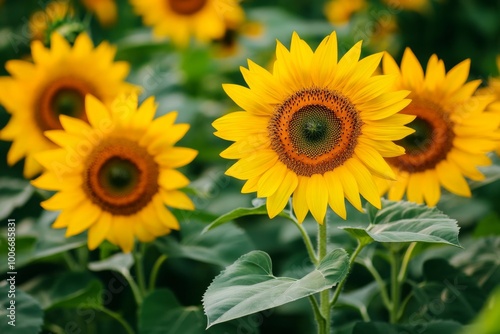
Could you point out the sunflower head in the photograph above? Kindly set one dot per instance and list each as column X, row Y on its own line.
column 314, row 128
column 35, row 94
column 339, row 12
column 180, row 19
column 57, row 16
column 453, row 132
column 115, row 176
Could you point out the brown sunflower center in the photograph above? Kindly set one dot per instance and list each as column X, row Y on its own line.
column 62, row 97
column 314, row 131
column 431, row 141
column 186, row 7
column 121, row 177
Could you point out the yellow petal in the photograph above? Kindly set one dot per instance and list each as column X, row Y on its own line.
column 398, row 187
column 415, row 192
column 64, row 199
column 174, row 157
column 451, row 179
column 239, row 125
column 98, row 232
column 97, row 113
column 432, row 188
column 336, row 198
column 122, row 232
column 253, row 165
column 374, row 161
column 299, row 200
column 176, row 199
column 164, row 215
column 84, row 216
column 271, row 180
column 171, row 179
column 324, row 61
column 411, row 70
column 277, row 202
column 317, row 197
column 366, row 185
column 247, row 100
column 350, row 186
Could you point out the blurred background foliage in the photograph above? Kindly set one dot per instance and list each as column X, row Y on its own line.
column 447, row 287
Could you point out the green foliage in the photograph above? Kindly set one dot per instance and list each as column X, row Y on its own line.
column 249, row 286
column 28, row 314
column 407, row 222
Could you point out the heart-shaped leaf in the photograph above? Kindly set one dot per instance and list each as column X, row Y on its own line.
column 403, row 221
column 248, row 285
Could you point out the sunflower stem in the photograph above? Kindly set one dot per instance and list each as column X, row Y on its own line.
column 154, row 272
column 381, row 284
column 395, row 287
column 324, row 296
column 139, row 268
column 339, row 287
column 305, row 237
column 118, row 318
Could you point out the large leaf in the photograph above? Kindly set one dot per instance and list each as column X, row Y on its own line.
column 221, row 247
column 161, row 313
column 13, row 193
column 27, row 316
column 68, row 290
column 39, row 241
column 407, row 222
column 119, row 262
column 248, row 286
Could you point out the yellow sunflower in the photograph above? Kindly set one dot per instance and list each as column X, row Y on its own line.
column 179, row 19
column 40, row 21
column 56, row 83
column 414, row 5
column 105, row 10
column 452, row 135
column 314, row 128
column 115, row 176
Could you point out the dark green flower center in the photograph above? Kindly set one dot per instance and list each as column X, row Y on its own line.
column 68, row 102
column 119, row 176
column 314, row 130
column 420, row 140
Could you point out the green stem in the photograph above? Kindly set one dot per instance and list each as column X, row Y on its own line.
column 317, row 313
column 70, row 261
column 118, row 318
column 155, row 270
column 305, row 237
column 139, row 268
column 83, row 257
column 324, row 296
column 395, row 287
column 381, row 283
column 406, row 260
column 138, row 296
column 308, row 243
column 354, row 255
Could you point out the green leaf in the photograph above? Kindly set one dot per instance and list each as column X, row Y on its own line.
column 13, row 193
column 248, row 285
column 68, row 290
column 359, row 299
column 220, row 247
column 407, row 222
column 41, row 241
column 28, row 318
column 161, row 313
column 241, row 212
column 119, row 262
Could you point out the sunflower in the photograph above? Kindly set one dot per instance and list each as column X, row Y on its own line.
column 452, row 135
column 413, row 5
column 56, row 83
column 41, row 21
column 314, row 128
column 115, row 176
column 179, row 19
column 105, row 10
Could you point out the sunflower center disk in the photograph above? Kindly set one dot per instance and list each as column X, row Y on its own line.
column 314, row 131
column 431, row 141
column 63, row 97
column 186, row 7
column 121, row 176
